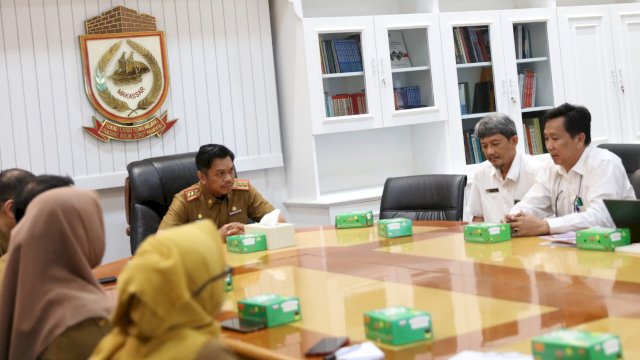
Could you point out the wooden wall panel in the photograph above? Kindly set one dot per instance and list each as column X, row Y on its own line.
column 222, row 86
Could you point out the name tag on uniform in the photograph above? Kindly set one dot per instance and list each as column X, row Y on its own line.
column 494, row 190
column 235, row 212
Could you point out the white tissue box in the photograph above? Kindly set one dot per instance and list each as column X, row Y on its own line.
column 278, row 236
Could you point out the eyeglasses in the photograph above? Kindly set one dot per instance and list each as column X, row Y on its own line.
column 213, row 279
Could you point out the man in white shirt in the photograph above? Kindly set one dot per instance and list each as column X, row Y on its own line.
column 568, row 193
column 506, row 176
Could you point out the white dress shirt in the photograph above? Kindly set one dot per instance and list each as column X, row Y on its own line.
column 492, row 196
column 597, row 175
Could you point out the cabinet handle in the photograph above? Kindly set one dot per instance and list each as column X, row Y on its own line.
column 513, row 97
column 621, row 82
column 383, row 73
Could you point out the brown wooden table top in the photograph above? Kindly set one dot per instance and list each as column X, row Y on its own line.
column 485, row 297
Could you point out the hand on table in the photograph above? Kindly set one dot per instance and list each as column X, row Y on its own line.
column 230, row 229
column 527, row 225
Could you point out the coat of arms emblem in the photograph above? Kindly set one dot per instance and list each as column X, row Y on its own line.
column 125, row 74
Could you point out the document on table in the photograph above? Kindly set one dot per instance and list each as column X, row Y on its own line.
column 564, row 239
column 478, row 355
column 632, row 249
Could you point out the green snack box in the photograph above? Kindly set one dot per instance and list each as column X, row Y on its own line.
column 398, row 325
column 228, row 283
column 270, row 309
column 246, row 243
column 397, row 227
column 576, row 345
column 487, row 233
column 601, row 238
column 356, row 219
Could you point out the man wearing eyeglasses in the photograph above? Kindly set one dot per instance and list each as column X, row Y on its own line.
column 568, row 193
column 219, row 196
column 506, row 176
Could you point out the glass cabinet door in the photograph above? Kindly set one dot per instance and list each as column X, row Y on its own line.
column 532, row 52
column 476, row 83
column 411, row 72
column 343, row 83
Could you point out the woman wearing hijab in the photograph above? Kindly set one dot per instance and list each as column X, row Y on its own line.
column 51, row 306
column 34, row 187
column 168, row 295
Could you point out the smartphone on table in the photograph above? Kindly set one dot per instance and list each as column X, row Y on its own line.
column 327, row 346
column 242, row 325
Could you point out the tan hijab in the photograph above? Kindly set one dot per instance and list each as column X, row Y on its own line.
column 158, row 316
column 48, row 284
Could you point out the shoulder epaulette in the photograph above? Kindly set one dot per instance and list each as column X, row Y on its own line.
column 240, row 184
column 191, row 193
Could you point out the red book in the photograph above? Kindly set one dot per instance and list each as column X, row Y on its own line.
column 354, row 104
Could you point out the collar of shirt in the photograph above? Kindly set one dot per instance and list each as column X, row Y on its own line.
column 514, row 171
column 580, row 167
column 209, row 199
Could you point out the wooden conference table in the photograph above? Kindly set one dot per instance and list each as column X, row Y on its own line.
column 492, row 297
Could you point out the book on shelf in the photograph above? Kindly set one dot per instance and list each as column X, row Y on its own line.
column 471, row 44
column 522, row 38
column 456, row 47
column 527, row 44
column 526, row 139
column 457, row 39
column 527, row 86
column 467, row 153
column 408, row 97
column 521, row 87
column 483, row 97
column 472, row 147
column 345, row 104
column 398, row 50
column 340, row 55
column 482, row 34
column 533, row 133
column 463, row 93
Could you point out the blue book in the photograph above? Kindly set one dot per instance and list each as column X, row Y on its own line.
column 357, row 57
column 342, row 53
column 413, row 94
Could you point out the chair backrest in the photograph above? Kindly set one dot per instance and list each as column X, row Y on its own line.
column 424, row 197
column 150, row 188
column 635, row 182
column 628, row 153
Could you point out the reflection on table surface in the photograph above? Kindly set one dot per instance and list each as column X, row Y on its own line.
column 493, row 297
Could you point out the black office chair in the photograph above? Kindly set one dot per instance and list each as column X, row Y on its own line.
column 635, row 182
column 630, row 156
column 424, row 197
column 150, row 188
column 628, row 153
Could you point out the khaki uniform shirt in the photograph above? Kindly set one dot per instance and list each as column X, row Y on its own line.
column 194, row 203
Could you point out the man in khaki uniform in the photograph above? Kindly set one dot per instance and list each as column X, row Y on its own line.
column 218, row 196
column 11, row 181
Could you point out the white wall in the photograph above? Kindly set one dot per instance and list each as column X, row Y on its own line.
column 222, row 86
column 222, row 90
